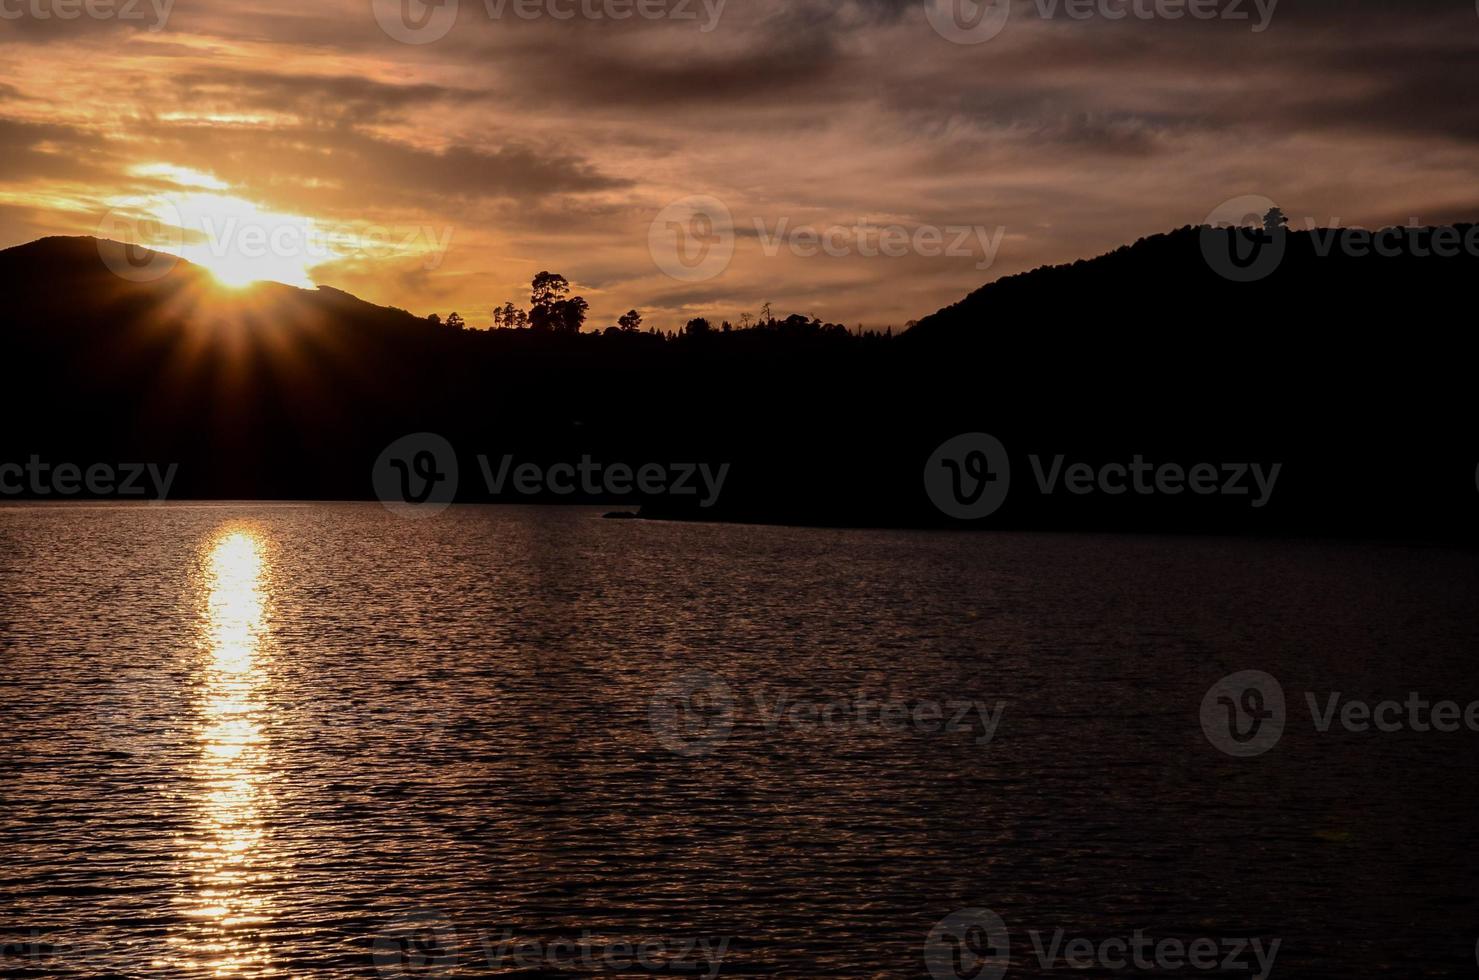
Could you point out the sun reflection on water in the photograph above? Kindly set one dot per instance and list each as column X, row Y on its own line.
column 227, row 904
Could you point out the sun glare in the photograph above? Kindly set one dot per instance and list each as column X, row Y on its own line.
column 234, row 239
column 239, row 243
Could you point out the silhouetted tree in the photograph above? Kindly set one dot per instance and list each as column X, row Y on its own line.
column 455, row 321
column 570, row 314
column 630, row 321
column 698, row 327
column 552, row 306
column 1274, row 220
column 510, row 316
column 548, row 287
column 547, row 290
column 434, row 320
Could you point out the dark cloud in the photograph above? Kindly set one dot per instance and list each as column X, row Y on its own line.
column 30, row 150
column 315, row 168
column 335, row 99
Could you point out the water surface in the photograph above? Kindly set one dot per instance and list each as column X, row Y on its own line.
column 274, row 741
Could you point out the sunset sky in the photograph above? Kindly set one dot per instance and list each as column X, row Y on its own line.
column 443, row 175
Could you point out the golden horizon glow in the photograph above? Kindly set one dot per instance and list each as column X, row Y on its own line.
column 446, row 176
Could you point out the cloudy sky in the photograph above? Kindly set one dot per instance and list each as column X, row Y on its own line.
column 676, row 159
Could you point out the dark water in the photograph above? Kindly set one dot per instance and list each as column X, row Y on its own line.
column 274, row 741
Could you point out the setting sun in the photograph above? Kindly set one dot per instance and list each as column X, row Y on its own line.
column 234, row 239
column 239, row 243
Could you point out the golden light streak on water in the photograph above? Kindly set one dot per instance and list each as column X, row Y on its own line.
column 226, row 903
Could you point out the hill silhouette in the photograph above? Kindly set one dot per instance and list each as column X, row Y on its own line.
column 1181, row 279
column 1345, row 369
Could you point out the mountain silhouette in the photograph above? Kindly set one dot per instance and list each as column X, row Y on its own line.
column 1345, row 369
column 1300, row 287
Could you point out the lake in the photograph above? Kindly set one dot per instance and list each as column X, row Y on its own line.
column 319, row 740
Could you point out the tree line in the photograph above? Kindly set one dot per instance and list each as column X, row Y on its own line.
column 553, row 310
